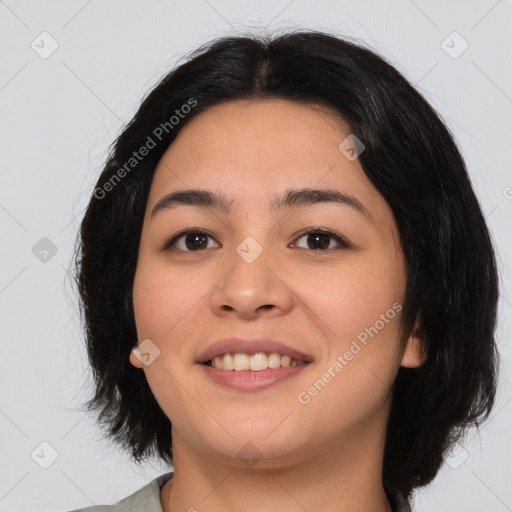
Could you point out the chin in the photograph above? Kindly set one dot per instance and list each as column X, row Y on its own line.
column 264, row 447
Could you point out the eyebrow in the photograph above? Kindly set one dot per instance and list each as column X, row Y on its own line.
column 291, row 198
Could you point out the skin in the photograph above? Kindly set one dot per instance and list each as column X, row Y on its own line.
column 325, row 455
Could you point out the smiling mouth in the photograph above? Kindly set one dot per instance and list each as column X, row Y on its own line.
column 256, row 362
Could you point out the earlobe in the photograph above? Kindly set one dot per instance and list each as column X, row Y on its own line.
column 134, row 360
column 414, row 354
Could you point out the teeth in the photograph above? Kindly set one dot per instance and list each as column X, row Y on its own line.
column 258, row 362
column 274, row 360
column 217, row 362
column 227, row 362
column 255, row 362
column 241, row 362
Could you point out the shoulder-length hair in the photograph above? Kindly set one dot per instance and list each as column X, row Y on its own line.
column 412, row 160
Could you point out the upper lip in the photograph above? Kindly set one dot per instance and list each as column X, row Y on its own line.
column 246, row 346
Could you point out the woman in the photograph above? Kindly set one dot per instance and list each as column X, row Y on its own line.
column 288, row 286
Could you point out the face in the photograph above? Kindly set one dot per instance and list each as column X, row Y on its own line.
column 323, row 277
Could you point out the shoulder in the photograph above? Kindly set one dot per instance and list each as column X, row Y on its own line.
column 146, row 499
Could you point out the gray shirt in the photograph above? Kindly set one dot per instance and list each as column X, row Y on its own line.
column 147, row 499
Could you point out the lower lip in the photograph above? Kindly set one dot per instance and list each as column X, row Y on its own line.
column 248, row 380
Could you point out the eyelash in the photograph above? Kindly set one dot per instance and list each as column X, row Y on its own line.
column 342, row 242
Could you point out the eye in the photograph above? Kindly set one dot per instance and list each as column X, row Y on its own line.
column 319, row 239
column 193, row 240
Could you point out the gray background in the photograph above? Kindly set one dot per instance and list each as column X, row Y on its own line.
column 59, row 113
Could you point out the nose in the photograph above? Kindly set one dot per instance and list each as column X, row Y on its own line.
column 250, row 289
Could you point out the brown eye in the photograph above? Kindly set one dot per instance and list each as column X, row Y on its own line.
column 320, row 240
column 196, row 241
column 189, row 241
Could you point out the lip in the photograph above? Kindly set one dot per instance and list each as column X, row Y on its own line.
column 246, row 346
column 248, row 380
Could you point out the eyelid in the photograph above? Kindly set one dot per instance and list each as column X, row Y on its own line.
column 167, row 246
column 343, row 243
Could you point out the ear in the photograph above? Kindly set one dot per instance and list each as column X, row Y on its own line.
column 134, row 359
column 414, row 353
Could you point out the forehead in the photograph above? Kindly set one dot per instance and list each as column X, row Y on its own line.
column 239, row 129
column 255, row 150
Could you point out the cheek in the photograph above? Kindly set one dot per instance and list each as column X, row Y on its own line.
column 355, row 297
column 359, row 308
column 162, row 308
column 163, row 300
column 164, row 305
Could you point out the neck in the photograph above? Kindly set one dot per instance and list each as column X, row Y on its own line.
column 346, row 477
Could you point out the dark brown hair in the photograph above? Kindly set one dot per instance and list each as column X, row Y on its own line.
column 412, row 160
